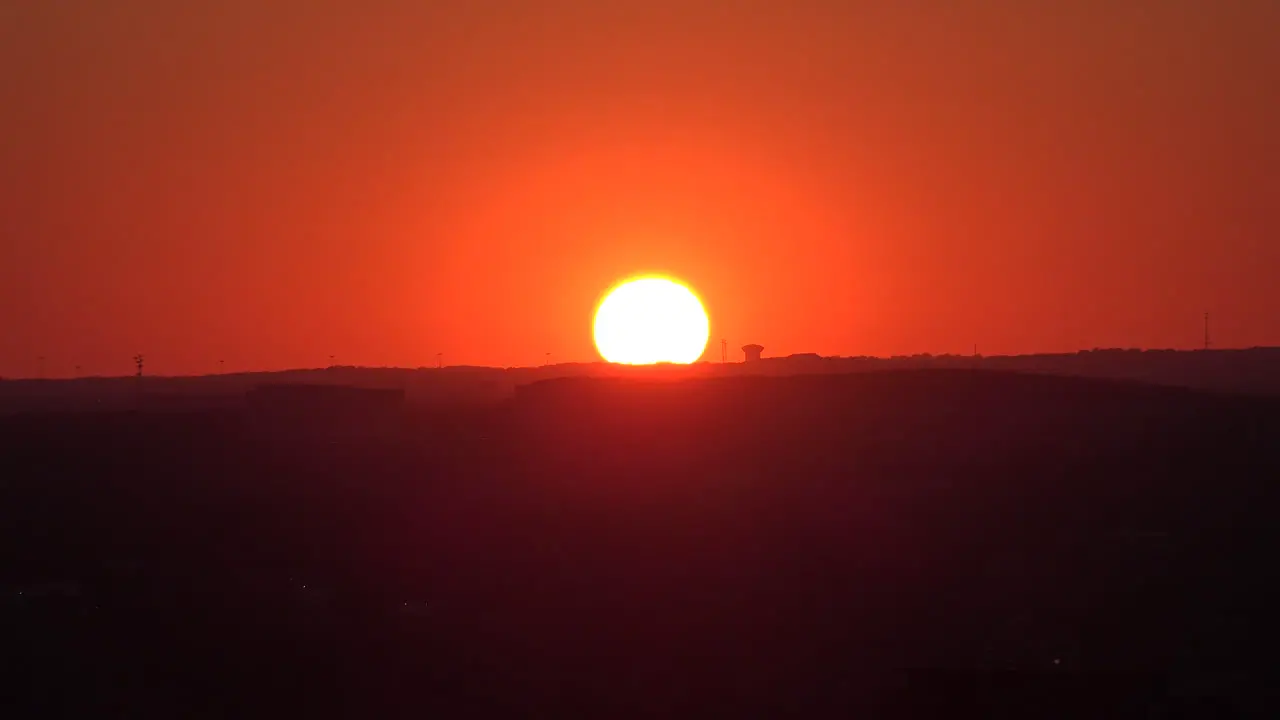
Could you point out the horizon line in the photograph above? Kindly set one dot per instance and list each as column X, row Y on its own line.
column 700, row 362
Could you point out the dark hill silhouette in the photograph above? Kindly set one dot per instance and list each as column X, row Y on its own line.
column 894, row 544
column 1253, row 371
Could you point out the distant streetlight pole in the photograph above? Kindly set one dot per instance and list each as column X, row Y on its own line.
column 331, row 364
column 137, row 389
column 547, row 360
column 439, row 360
column 221, row 366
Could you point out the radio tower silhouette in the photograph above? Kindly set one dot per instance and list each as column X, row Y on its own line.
column 137, row 385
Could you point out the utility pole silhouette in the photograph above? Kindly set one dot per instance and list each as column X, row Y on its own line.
column 137, row 386
column 724, row 351
column 1206, row 331
column 439, row 360
column 220, row 366
column 547, row 360
column 331, row 361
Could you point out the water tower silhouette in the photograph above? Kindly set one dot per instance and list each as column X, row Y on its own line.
column 752, row 352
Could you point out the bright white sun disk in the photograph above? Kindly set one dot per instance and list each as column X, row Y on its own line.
column 651, row 320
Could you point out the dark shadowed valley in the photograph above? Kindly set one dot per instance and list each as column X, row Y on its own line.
column 908, row 543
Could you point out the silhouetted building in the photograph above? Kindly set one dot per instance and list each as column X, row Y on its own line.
column 752, row 352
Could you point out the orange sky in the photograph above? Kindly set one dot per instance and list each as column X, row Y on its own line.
column 270, row 183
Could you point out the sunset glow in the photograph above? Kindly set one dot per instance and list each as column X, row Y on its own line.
column 252, row 189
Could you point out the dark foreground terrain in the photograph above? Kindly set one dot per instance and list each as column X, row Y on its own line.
column 907, row 544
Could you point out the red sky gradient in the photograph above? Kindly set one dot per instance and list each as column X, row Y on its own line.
column 270, row 183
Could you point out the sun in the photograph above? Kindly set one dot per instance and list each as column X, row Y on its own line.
column 649, row 320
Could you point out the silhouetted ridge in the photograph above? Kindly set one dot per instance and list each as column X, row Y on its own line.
column 651, row 546
column 1255, row 371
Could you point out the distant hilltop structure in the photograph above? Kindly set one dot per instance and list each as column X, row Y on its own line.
column 752, row 352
